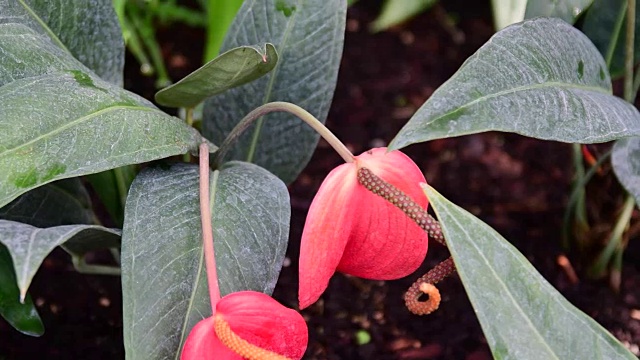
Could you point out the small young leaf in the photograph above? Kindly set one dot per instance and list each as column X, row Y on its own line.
column 309, row 37
column 626, row 164
column 88, row 30
column 163, row 273
column 63, row 202
column 541, row 78
column 395, row 12
column 605, row 24
column 522, row 315
column 29, row 245
column 507, row 12
column 567, row 10
column 233, row 68
column 22, row 316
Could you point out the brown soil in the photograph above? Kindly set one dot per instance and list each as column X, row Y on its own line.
column 517, row 185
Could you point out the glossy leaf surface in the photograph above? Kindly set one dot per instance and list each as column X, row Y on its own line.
column 233, row 68
column 309, row 37
column 522, row 315
column 540, row 78
column 88, row 30
column 163, row 275
column 29, row 245
column 22, row 316
column 626, row 164
column 69, row 110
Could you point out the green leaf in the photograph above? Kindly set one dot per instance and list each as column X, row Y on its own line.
column 164, row 284
column 87, row 30
column 394, row 12
column 309, row 37
column 522, row 315
column 507, row 12
column 77, row 123
column 567, row 10
column 233, row 68
column 541, row 78
column 605, row 25
column 22, row 316
column 220, row 14
column 63, row 202
column 626, row 164
column 29, row 245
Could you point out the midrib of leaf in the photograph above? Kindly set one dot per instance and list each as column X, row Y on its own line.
column 272, row 79
column 46, row 27
column 550, row 84
column 212, row 191
column 76, row 122
column 499, row 280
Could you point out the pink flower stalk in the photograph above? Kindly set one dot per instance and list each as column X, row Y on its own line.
column 248, row 325
column 352, row 230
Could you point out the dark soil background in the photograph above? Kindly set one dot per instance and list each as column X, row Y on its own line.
column 517, row 185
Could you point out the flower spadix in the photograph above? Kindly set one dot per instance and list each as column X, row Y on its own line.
column 355, row 231
column 248, row 325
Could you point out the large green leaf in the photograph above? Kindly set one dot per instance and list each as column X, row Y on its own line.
column 89, row 30
column 59, row 120
column 309, row 37
column 22, row 316
column 522, row 315
column 29, row 245
column 540, row 78
column 63, row 202
column 626, row 164
column 233, row 68
column 567, row 10
column 605, row 24
column 163, row 275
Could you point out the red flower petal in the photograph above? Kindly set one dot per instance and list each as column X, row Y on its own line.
column 202, row 344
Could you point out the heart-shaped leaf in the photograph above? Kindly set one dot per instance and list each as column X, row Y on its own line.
column 522, row 315
column 63, row 202
column 309, row 37
column 163, row 275
column 60, row 120
column 541, row 78
column 605, row 24
column 22, row 316
column 88, row 30
column 233, row 68
column 626, row 164
column 29, row 245
column 567, row 10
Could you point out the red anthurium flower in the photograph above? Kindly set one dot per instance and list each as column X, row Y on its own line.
column 354, row 231
column 248, row 325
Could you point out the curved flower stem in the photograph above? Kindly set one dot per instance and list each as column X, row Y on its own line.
column 207, row 230
column 296, row 110
column 420, row 216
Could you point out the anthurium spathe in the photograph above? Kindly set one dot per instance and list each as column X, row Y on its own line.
column 352, row 230
column 248, row 325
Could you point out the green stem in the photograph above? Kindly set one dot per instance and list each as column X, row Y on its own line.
column 121, row 185
column 629, row 52
column 296, row 110
column 616, row 236
column 207, row 229
column 613, row 42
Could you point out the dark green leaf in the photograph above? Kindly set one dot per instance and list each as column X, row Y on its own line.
column 567, row 10
column 76, row 123
column 233, row 68
column 63, row 202
column 163, row 275
column 88, row 30
column 397, row 12
column 605, row 24
column 541, row 78
column 29, row 245
column 22, row 316
column 522, row 315
column 626, row 164
column 112, row 187
column 309, row 37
